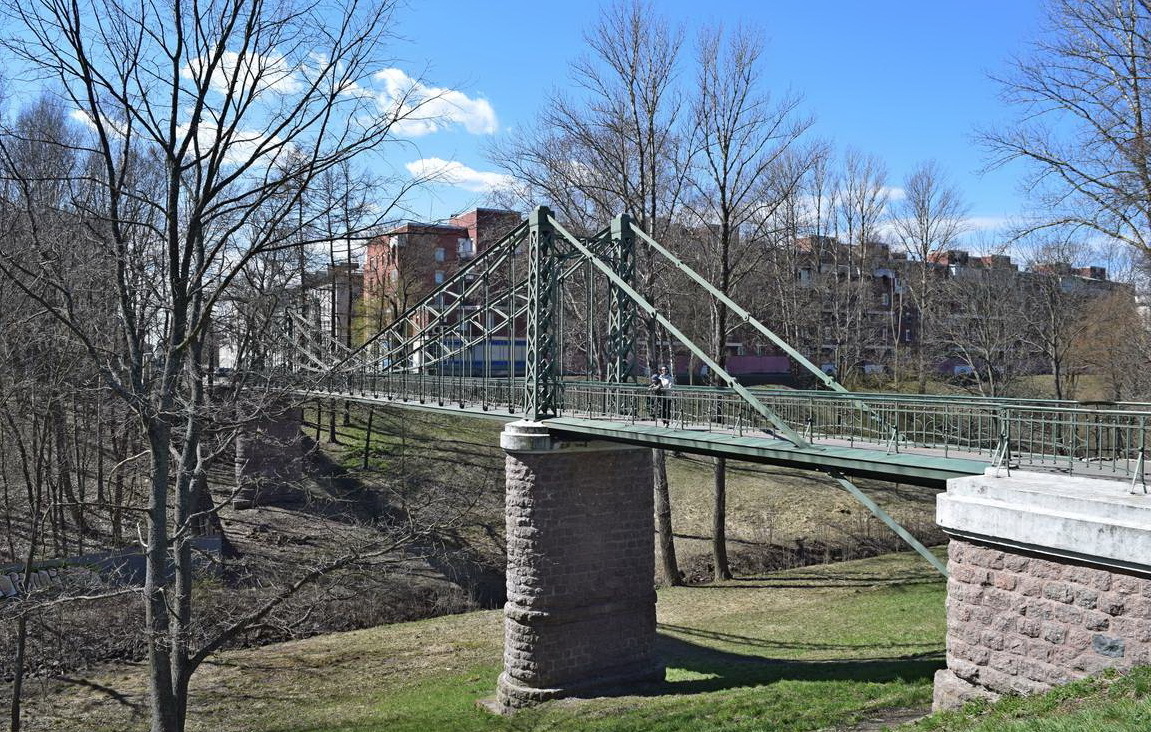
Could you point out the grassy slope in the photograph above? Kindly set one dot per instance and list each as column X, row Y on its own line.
column 771, row 505
column 805, row 649
column 813, row 648
column 766, row 504
column 1111, row 702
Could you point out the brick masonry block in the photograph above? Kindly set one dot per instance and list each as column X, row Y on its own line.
column 580, row 576
column 1021, row 624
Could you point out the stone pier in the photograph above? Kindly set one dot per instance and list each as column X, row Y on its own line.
column 1050, row 581
column 580, row 615
column 269, row 458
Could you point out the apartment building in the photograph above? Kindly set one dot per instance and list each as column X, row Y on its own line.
column 408, row 261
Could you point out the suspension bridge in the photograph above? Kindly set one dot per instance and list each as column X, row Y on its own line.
column 550, row 332
column 546, row 326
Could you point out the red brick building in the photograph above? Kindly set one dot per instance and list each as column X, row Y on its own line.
column 405, row 263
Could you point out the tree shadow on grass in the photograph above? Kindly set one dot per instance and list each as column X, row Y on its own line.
column 830, row 576
column 134, row 703
column 721, row 670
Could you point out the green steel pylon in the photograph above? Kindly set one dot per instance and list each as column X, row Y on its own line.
column 542, row 388
column 621, row 308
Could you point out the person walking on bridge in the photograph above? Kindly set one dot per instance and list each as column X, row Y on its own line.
column 661, row 386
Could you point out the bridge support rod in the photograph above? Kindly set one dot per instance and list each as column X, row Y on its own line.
column 886, row 518
column 581, row 560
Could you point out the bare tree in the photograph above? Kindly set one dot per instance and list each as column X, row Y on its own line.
column 1054, row 307
column 794, row 301
column 981, row 326
column 616, row 147
column 1112, row 342
column 927, row 222
column 740, row 137
column 862, row 202
column 200, row 116
column 1085, row 119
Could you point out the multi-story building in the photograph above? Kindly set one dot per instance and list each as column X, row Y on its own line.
column 409, row 261
column 333, row 298
column 853, row 309
column 406, row 262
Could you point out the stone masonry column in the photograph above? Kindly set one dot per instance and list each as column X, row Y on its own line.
column 581, row 563
column 1050, row 581
column 269, row 458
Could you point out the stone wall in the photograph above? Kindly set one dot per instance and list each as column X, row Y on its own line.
column 269, row 458
column 1043, row 589
column 1022, row 624
column 580, row 613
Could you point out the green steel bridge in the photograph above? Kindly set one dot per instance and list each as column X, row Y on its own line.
column 553, row 328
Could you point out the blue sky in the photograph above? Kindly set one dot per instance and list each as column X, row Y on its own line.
column 906, row 80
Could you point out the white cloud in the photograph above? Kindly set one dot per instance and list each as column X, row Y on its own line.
column 452, row 173
column 894, row 193
column 251, row 72
column 987, row 223
column 86, row 119
column 422, row 110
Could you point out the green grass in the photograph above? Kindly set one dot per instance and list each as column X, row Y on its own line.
column 1110, row 702
column 801, row 650
column 819, row 648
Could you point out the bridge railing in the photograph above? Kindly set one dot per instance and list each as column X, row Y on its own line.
column 440, row 390
column 1073, row 437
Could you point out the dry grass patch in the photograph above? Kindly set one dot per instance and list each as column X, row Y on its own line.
column 805, row 649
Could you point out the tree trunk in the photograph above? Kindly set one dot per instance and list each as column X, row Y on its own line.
column 719, row 522
column 165, row 716
column 22, row 636
column 719, row 507
column 1057, row 377
column 670, row 567
column 18, row 678
column 368, row 439
column 205, row 521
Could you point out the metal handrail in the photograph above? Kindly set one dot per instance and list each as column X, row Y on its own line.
column 1042, row 433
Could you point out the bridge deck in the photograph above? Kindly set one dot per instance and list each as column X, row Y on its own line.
column 914, row 465
column 917, row 467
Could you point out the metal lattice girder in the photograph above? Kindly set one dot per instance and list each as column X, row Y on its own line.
column 314, row 347
column 621, row 308
column 415, row 340
column 541, row 392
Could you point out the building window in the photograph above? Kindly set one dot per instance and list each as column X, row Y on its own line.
column 465, row 247
column 886, row 299
column 439, row 254
column 439, row 277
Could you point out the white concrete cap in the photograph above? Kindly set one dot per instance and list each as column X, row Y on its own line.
column 1082, row 518
column 525, row 436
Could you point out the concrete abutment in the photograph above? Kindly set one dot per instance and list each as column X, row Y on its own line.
column 580, row 613
column 1050, row 581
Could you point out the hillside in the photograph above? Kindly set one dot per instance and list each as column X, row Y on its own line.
column 777, row 518
column 816, row 648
